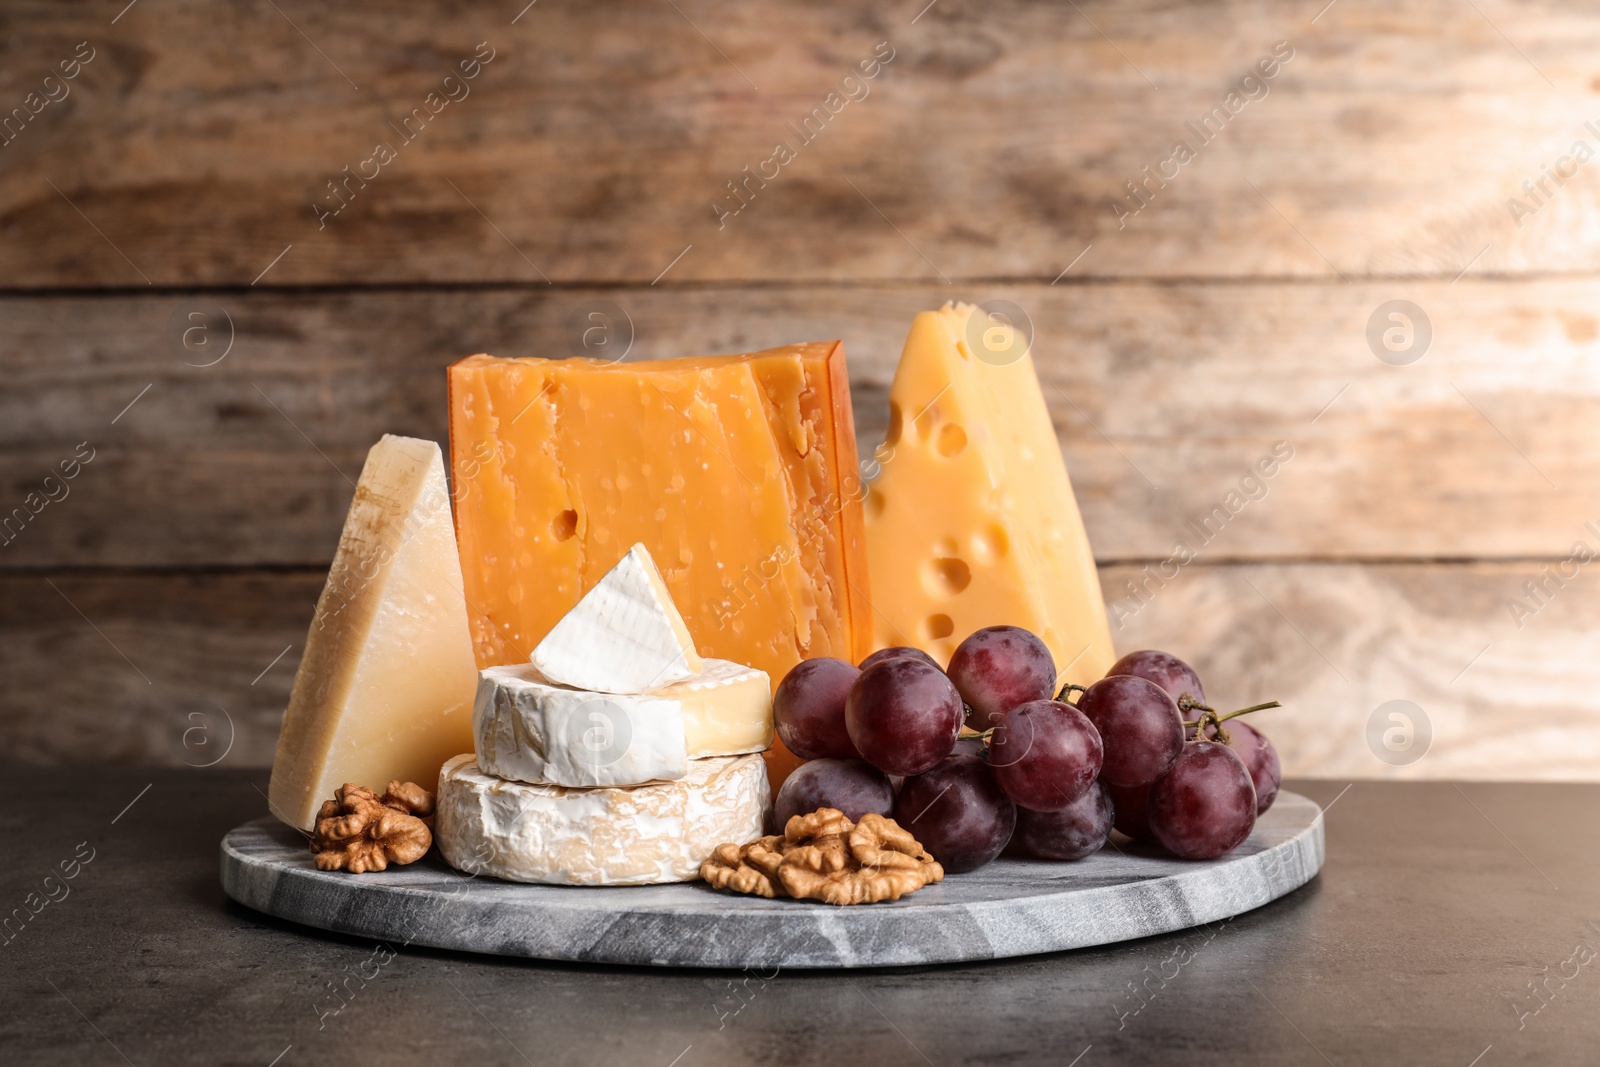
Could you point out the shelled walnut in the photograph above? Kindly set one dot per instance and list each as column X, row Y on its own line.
column 824, row 856
column 359, row 831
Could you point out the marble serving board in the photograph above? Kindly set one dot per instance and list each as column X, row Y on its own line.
column 1012, row 907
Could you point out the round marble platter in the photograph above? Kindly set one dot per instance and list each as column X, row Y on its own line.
column 1012, row 907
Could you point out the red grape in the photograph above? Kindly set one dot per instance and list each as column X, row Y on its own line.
column 899, row 652
column 903, row 715
column 1131, row 811
column 854, row 786
column 958, row 812
column 1165, row 670
column 1139, row 726
column 998, row 668
column 1045, row 754
column 1205, row 805
column 808, row 708
column 1260, row 758
column 1076, row 831
column 1258, row 755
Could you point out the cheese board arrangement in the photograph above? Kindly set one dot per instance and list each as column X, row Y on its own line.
column 659, row 675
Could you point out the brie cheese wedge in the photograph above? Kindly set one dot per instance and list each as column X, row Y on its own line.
column 624, row 636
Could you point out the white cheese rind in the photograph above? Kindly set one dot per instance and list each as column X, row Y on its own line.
column 624, row 636
column 529, row 729
column 646, row 835
column 386, row 682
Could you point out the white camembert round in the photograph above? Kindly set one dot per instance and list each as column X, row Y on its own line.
column 596, row 837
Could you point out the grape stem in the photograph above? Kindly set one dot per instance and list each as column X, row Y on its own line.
column 1069, row 689
column 1209, row 716
column 1210, row 719
column 981, row 738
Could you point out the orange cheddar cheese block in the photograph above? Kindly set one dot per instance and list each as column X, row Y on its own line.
column 738, row 474
column 972, row 521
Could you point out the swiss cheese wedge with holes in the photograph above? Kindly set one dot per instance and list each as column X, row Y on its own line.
column 972, row 521
column 737, row 473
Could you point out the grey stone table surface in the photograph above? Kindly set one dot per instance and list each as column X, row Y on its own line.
column 1451, row 924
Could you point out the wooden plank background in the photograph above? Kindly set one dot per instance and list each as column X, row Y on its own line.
column 154, row 613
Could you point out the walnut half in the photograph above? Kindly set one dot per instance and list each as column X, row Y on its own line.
column 359, row 831
column 824, row 856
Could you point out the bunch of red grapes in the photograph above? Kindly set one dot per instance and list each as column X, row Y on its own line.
column 1047, row 776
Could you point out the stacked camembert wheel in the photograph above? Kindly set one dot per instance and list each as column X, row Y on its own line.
column 616, row 756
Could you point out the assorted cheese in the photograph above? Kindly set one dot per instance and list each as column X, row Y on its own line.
column 972, row 521
column 385, row 686
column 624, row 636
column 532, row 730
column 647, row 834
column 605, row 749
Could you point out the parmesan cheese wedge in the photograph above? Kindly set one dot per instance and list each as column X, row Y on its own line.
column 386, row 684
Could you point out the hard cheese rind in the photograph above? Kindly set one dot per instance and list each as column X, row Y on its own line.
column 640, row 836
column 624, row 636
column 531, row 730
column 972, row 522
column 385, row 687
